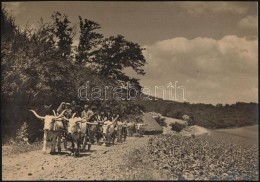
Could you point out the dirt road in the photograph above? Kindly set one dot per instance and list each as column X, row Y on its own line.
column 215, row 155
column 101, row 163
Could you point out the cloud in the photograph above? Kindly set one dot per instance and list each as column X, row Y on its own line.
column 198, row 8
column 213, row 71
column 249, row 22
column 14, row 8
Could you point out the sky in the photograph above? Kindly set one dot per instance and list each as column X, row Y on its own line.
column 208, row 48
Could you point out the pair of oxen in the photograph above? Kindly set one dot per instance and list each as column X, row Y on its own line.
column 78, row 131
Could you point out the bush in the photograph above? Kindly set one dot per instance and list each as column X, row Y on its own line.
column 177, row 127
column 22, row 133
column 178, row 115
column 11, row 146
column 191, row 122
column 160, row 121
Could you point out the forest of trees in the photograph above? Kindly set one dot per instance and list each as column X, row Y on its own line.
column 41, row 68
column 206, row 115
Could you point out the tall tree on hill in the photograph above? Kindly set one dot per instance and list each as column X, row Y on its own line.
column 89, row 41
column 64, row 34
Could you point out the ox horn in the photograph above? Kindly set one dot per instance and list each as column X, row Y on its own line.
column 61, row 114
column 73, row 115
column 83, row 120
column 40, row 117
column 91, row 123
column 54, row 113
column 66, row 118
column 84, row 117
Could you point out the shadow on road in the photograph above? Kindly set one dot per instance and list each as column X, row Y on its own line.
column 84, row 155
column 91, row 151
column 62, row 153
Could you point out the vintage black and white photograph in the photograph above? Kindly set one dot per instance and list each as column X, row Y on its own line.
column 129, row 90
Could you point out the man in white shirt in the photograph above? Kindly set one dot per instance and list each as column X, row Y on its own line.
column 140, row 128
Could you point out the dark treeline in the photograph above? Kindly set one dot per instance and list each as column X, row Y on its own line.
column 40, row 68
column 206, row 115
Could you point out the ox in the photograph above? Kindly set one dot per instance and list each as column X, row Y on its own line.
column 109, row 131
column 53, row 130
column 131, row 128
column 77, row 131
column 92, row 130
column 63, row 136
column 121, row 131
column 100, row 119
column 89, row 129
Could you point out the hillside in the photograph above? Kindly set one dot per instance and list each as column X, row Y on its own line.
column 250, row 132
column 206, row 115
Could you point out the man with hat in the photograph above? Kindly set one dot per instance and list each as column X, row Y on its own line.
column 66, row 107
column 61, row 108
column 87, row 112
column 68, row 111
column 67, row 114
column 90, row 117
column 74, row 106
column 100, row 119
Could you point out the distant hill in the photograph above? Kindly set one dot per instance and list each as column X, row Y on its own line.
column 206, row 115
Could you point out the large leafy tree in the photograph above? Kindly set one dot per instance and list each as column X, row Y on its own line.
column 113, row 56
column 52, row 70
column 15, row 59
column 116, row 54
column 108, row 57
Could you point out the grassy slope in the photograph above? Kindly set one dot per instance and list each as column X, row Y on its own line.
column 225, row 154
column 246, row 132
